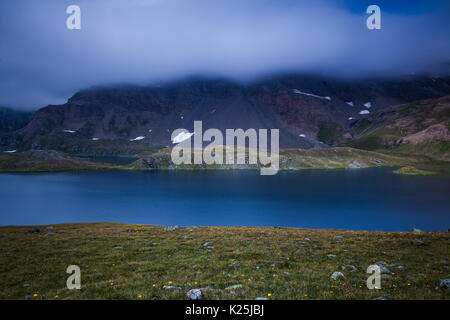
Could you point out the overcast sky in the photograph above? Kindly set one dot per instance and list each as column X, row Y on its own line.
column 146, row 41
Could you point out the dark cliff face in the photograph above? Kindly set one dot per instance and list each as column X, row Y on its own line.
column 309, row 111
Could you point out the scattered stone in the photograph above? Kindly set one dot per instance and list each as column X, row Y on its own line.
column 49, row 227
column 26, row 285
column 331, row 255
column 418, row 242
column 336, row 275
column 51, row 233
column 234, row 287
column 118, row 247
column 172, row 288
column 380, row 298
column 337, row 237
column 445, row 284
column 400, row 267
column 34, row 230
column 261, row 298
column 383, row 269
column 350, row 267
column 171, row 228
column 194, row 294
column 207, row 244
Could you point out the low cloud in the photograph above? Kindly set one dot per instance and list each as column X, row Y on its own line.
column 147, row 41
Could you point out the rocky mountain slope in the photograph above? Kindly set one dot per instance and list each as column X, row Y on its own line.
column 420, row 127
column 309, row 111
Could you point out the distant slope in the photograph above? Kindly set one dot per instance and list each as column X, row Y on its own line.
column 12, row 120
column 420, row 128
column 290, row 159
column 44, row 161
column 310, row 111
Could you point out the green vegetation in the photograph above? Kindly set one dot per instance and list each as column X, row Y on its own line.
column 160, row 159
column 120, row 261
column 329, row 131
column 414, row 171
column 45, row 161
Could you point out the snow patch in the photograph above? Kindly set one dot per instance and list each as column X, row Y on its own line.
column 350, row 118
column 364, row 112
column 95, row 139
column 350, row 103
column 11, row 151
column 181, row 137
column 310, row 94
column 69, row 131
column 137, row 138
column 368, row 105
column 302, row 135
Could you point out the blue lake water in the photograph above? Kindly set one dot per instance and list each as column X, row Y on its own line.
column 358, row 199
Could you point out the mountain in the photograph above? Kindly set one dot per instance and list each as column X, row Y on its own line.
column 310, row 111
column 12, row 120
column 420, row 128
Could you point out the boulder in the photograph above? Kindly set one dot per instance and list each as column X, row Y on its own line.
column 194, row 294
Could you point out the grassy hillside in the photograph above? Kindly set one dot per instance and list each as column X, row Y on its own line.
column 418, row 128
column 120, row 261
column 43, row 161
column 290, row 159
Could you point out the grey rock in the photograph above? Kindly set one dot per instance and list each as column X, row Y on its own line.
column 207, row 244
column 26, row 285
column 445, row 284
column 383, row 269
column 336, row 275
column 172, row 288
column 337, row 237
column 51, row 233
column 234, row 287
column 171, row 228
column 350, row 267
column 118, row 247
column 418, row 242
column 331, row 255
column 194, row 294
column 380, row 298
column 261, row 298
column 400, row 267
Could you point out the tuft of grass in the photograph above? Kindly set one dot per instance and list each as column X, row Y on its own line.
column 122, row 261
column 414, row 171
